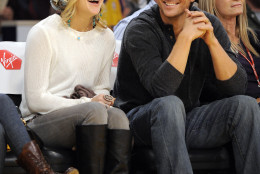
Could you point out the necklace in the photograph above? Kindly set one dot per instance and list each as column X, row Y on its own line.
column 252, row 63
column 76, row 33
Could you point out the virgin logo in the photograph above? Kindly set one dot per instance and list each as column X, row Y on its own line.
column 115, row 60
column 9, row 60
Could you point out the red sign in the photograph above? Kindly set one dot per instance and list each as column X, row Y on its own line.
column 9, row 60
column 115, row 60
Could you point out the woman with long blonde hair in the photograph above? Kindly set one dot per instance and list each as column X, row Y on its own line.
column 67, row 87
column 244, row 41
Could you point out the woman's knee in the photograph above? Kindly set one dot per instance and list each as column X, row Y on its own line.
column 4, row 101
column 117, row 119
column 95, row 114
column 3, row 97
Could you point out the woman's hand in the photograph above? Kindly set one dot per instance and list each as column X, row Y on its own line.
column 106, row 100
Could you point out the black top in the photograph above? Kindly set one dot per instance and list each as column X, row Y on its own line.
column 40, row 9
column 143, row 74
column 252, row 88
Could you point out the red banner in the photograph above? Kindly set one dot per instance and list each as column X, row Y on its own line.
column 9, row 60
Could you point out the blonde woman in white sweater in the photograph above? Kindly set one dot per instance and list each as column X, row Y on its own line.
column 63, row 51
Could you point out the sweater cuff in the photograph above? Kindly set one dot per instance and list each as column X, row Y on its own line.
column 236, row 84
column 85, row 100
column 169, row 75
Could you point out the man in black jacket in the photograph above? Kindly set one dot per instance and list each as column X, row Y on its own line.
column 167, row 54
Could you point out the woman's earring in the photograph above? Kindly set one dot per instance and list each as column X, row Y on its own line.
column 69, row 21
column 100, row 15
column 94, row 21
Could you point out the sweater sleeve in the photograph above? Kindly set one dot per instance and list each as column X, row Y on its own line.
column 237, row 83
column 102, row 85
column 37, row 71
column 142, row 43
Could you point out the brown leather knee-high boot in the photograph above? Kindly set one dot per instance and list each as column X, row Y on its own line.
column 32, row 160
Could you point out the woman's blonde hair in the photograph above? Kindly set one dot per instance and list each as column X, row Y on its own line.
column 241, row 27
column 70, row 10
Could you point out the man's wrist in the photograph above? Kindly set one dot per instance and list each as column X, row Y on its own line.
column 213, row 42
column 187, row 38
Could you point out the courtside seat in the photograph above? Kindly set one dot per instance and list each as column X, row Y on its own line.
column 204, row 161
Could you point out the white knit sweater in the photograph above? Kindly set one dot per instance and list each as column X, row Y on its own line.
column 56, row 61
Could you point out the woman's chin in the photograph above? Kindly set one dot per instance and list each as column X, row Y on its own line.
column 94, row 13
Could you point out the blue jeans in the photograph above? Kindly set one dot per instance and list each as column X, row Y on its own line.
column 164, row 125
column 2, row 147
column 12, row 129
